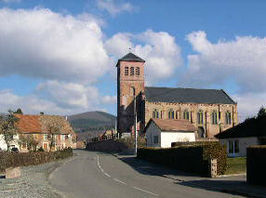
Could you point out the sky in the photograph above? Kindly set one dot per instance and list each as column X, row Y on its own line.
column 59, row 57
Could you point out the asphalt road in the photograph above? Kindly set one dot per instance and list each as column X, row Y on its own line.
column 97, row 175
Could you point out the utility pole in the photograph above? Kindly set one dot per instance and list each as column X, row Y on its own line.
column 135, row 125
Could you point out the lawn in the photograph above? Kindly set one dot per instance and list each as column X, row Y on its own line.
column 236, row 165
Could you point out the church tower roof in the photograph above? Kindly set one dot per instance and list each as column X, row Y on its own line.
column 131, row 58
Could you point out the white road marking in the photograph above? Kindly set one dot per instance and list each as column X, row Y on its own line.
column 106, row 174
column 99, row 166
column 119, row 181
column 148, row 192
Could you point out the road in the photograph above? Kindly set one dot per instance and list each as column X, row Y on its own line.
column 97, row 175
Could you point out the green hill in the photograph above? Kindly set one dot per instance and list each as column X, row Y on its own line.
column 92, row 121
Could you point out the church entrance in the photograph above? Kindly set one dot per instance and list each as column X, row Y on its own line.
column 201, row 132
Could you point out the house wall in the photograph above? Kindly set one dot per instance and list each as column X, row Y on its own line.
column 243, row 144
column 168, row 137
column 152, row 131
column 209, row 128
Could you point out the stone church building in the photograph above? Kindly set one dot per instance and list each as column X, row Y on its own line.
column 211, row 111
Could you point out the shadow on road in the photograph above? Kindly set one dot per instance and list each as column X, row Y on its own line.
column 148, row 168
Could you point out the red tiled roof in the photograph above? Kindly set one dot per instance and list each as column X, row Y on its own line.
column 174, row 125
column 40, row 123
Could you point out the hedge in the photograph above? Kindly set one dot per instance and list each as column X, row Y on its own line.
column 256, row 163
column 12, row 159
column 192, row 157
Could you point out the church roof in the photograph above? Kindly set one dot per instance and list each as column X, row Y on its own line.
column 187, row 95
column 130, row 57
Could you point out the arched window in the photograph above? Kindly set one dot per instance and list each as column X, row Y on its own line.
column 200, row 117
column 171, row 114
column 137, row 71
column 186, row 115
column 126, row 71
column 155, row 113
column 214, row 117
column 161, row 114
column 132, row 91
column 131, row 71
column 228, row 118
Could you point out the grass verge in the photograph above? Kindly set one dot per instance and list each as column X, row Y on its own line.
column 236, row 165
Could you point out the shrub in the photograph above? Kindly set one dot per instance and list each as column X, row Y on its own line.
column 11, row 159
column 256, row 163
column 191, row 158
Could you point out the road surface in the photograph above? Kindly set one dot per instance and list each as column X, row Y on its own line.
column 98, row 175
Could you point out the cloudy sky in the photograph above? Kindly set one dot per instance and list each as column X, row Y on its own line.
column 59, row 56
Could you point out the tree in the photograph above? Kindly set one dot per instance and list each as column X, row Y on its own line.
column 262, row 112
column 53, row 129
column 29, row 141
column 19, row 111
column 8, row 127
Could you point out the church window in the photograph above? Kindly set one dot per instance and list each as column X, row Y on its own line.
column 137, row 71
column 161, row 114
column 132, row 91
column 186, row 115
column 200, row 117
column 171, row 114
column 228, row 118
column 126, row 71
column 155, row 113
column 131, row 71
column 214, row 117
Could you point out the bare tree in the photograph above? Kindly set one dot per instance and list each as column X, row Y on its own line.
column 29, row 141
column 53, row 129
column 8, row 127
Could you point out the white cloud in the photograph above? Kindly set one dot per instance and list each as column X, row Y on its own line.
column 43, row 44
column 69, row 95
column 159, row 49
column 242, row 60
column 109, row 99
column 114, row 7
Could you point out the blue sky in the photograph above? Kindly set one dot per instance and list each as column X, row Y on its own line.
column 59, row 56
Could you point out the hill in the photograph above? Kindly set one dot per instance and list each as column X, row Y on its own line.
column 92, row 121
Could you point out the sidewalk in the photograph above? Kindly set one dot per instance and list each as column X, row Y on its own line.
column 235, row 185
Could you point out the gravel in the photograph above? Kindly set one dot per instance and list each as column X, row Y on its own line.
column 33, row 183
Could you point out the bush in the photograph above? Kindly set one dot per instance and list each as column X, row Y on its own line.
column 190, row 157
column 130, row 142
column 11, row 159
column 256, row 163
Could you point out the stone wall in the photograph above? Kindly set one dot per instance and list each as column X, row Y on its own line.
column 178, row 108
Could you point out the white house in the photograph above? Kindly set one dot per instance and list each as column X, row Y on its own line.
column 238, row 138
column 161, row 133
column 13, row 144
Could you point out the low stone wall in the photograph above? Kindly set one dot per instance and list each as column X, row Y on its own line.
column 110, row 146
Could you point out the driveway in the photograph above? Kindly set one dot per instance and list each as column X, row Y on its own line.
column 98, row 175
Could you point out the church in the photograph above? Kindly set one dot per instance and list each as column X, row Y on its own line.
column 211, row 111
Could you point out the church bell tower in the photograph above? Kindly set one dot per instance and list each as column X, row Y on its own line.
column 130, row 85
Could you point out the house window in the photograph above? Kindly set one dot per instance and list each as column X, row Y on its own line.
column 214, row 117
column 171, row 114
column 186, row 115
column 45, row 137
column 131, row 71
column 156, row 139
column 233, row 147
column 126, row 71
column 228, row 118
column 137, row 71
column 155, row 113
column 200, row 117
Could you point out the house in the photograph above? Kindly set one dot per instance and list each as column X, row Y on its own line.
column 237, row 139
column 13, row 144
column 211, row 111
column 161, row 133
column 49, row 131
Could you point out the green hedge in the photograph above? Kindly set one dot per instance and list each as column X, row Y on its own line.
column 256, row 164
column 12, row 159
column 192, row 157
